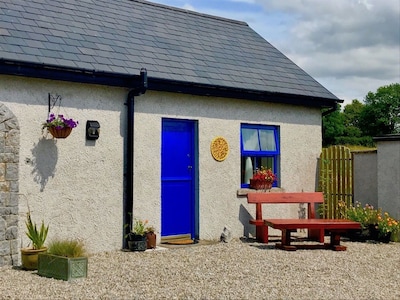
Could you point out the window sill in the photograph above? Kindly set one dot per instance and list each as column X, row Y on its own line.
column 243, row 192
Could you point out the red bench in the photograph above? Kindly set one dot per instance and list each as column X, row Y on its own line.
column 310, row 198
column 335, row 226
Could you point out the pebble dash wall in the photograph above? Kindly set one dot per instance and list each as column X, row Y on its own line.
column 9, row 157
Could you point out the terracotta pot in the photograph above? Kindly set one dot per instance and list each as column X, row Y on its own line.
column 260, row 184
column 61, row 133
column 29, row 257
column 151, row 240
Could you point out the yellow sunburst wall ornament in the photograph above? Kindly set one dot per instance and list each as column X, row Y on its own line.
column 219, row 148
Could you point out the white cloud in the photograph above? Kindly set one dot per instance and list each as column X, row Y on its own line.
column 188, row 7
column 244, row 1
column 350, row 46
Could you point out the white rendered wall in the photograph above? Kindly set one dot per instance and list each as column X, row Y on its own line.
column 74, row 185
column 77, row 186
column 219, row 182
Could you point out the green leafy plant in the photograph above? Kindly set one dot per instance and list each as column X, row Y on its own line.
column 139, row 227
column 37, row 236
column 366, row 215
column 67, row 248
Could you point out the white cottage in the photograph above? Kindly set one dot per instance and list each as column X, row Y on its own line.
column 210, row 81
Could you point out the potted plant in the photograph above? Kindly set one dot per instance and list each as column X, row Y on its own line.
column 262, row 179
column 58, row 126
column 387, row 227
column 37, row 235
column 137, row 237
column 151, row 237
column 65, row 259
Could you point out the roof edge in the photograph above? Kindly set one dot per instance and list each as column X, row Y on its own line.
column 158, row 84
column 53, row 72
column 387, row 137
column 188, row 11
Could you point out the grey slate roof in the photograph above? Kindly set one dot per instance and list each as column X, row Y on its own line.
column 123, row 36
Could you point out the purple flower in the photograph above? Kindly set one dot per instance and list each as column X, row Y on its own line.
column 59, row 122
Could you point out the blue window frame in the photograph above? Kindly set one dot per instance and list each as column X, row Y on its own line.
column 259, row 147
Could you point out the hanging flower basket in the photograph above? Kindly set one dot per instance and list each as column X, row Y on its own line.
column 60, row 133
column 59, row 127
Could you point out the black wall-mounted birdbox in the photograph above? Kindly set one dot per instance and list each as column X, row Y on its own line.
column 92, row 130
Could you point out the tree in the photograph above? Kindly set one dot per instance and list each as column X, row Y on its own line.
column 332, row 126
column 351, row 114
column 381, row 113
column 359, row 122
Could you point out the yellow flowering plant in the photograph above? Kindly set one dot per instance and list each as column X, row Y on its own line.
column 369, row 217
column 387, row 224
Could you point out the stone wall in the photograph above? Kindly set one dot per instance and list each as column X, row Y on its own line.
column 9, row 158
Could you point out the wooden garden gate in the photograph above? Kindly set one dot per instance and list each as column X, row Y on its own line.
column 335, row 179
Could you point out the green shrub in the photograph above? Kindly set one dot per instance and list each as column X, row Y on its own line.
column 366, row 141
column 68, row 248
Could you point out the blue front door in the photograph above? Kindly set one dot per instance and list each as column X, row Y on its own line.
column 178, row 173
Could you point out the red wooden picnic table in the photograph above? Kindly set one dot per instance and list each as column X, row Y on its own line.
column 334, row 226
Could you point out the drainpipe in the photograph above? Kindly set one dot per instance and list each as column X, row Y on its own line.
column 331, row 110
column 138, row 90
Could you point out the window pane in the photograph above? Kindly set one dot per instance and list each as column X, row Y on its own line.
column 267, row 140
column 248, row 169
column 260, row 148
column 250, row 139
column 267, row 162
column 250, row 164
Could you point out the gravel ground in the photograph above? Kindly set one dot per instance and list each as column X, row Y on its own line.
column 235, row 270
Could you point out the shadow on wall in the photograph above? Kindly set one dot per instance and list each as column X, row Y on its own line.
column 45, row 155
column 244, row 217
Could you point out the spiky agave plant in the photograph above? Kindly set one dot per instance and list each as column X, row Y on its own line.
column 37, row 237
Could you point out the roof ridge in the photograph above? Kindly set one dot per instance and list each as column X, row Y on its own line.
column 190, row 12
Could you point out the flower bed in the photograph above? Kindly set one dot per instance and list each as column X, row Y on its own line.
column 376, row 225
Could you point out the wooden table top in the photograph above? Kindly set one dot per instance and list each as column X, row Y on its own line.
column 312, row 223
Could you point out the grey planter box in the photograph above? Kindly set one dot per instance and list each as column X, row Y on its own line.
column 60, row 267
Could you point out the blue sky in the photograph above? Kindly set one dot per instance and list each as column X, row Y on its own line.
column 351, row 47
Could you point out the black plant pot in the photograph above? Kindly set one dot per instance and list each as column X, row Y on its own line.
column 358, row 235
column 137, row 242
column 373, row 232
column 385, row 238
